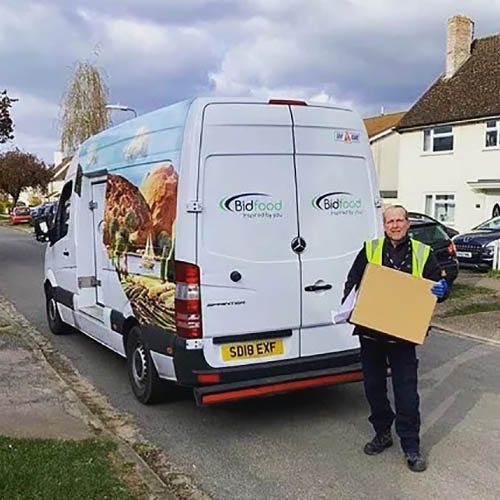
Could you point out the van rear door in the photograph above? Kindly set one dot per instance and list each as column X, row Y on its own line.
column 337, row 212
column 100, row 255
column 249, row 275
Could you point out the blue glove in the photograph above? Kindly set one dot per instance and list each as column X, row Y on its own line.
column 440, row 289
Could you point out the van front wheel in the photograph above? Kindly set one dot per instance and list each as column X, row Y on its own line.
column 146, row 384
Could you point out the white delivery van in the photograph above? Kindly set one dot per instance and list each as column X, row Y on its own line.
column 208, row 242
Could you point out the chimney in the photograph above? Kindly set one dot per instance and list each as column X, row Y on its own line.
column 458, row 42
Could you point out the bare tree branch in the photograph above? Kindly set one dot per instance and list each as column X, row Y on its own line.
column 84, row 110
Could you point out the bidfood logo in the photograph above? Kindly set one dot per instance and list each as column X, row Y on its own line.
column 338, row 203
column 253, row 205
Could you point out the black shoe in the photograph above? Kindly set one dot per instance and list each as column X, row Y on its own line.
column 415, row 461
column 379, row 443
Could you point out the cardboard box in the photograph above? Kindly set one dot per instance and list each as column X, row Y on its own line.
column 394, row 303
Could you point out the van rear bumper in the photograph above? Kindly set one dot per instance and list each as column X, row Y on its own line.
column 189, row 363
column 224, row 393
column 238, row 382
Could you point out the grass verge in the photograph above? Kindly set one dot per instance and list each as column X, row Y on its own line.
column 459, row 291
column 473, row 309
column 493, row 274
column 53, row 469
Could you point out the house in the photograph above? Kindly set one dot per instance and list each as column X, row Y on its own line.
column 384, row 141
column 57, row 182
column 55, row 185
column 449, row 158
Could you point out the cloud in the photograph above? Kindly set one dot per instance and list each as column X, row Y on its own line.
column 151, row 58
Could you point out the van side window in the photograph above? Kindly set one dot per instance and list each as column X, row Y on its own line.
column 61, row 222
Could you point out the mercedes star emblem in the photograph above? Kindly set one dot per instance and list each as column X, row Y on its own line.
column 298, row 244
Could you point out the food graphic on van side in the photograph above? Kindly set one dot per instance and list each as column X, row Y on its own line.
column 127, row 209
column 139, row 231
column 159, row 189
column 148, row 257
column 151, row 301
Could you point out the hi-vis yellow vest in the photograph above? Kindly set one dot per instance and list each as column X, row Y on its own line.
column 420, row 254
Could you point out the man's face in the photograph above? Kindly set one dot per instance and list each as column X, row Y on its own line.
column 395, row 224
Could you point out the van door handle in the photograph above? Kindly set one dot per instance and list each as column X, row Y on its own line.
column 317, row 288
column 66, row 253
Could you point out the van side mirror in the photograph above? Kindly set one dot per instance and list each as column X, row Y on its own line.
column 43, row 230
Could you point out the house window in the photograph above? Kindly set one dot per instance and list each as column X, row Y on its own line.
column 441, row 207
column 492, row 133
column 438, row 139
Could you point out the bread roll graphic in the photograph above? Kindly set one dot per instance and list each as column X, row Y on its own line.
column 159, row 189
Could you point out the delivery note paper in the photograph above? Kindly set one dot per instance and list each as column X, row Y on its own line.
column 342, row 315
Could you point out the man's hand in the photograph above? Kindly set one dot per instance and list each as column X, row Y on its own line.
column 440, row 289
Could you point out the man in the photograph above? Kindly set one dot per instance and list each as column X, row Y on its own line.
column 397, row 251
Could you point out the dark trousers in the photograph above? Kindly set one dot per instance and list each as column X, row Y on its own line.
column 376, row 355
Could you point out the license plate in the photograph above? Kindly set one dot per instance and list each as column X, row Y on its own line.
column 251, row 350
column 467, row 255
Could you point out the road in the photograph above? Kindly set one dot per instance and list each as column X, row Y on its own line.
column 305, row 445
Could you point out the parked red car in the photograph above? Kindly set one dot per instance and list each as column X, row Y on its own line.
column 20, row 215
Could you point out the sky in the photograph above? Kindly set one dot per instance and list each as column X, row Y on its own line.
column 365, row 54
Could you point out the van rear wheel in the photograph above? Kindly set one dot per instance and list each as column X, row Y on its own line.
column 56, row 325
column 146, row 384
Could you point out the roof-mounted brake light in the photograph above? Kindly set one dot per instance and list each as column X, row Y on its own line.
column 290, row 102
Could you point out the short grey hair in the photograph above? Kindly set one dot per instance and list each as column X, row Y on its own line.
column 392, row 207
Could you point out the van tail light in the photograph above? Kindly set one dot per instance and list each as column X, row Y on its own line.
column 452, row 249
column 290, row 102
column 187, row 300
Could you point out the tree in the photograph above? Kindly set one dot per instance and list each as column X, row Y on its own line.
column 20, row 170
column 84, row 110
column 6, row 125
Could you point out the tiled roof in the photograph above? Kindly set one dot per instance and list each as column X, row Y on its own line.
column 61, row 169
column 472, row 92
column 377, row 124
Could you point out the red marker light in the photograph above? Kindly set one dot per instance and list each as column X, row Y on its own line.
column 208, row 378
column 290, row 102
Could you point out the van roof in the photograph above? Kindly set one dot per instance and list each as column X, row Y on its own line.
column 118, row 145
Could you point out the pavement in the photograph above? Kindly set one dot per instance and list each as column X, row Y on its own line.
column 36, row 404
column 39, row 400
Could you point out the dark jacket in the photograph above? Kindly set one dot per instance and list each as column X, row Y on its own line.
column 398, row 257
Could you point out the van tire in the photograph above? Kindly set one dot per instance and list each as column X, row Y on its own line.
column 146, row 384
column 56, row 325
